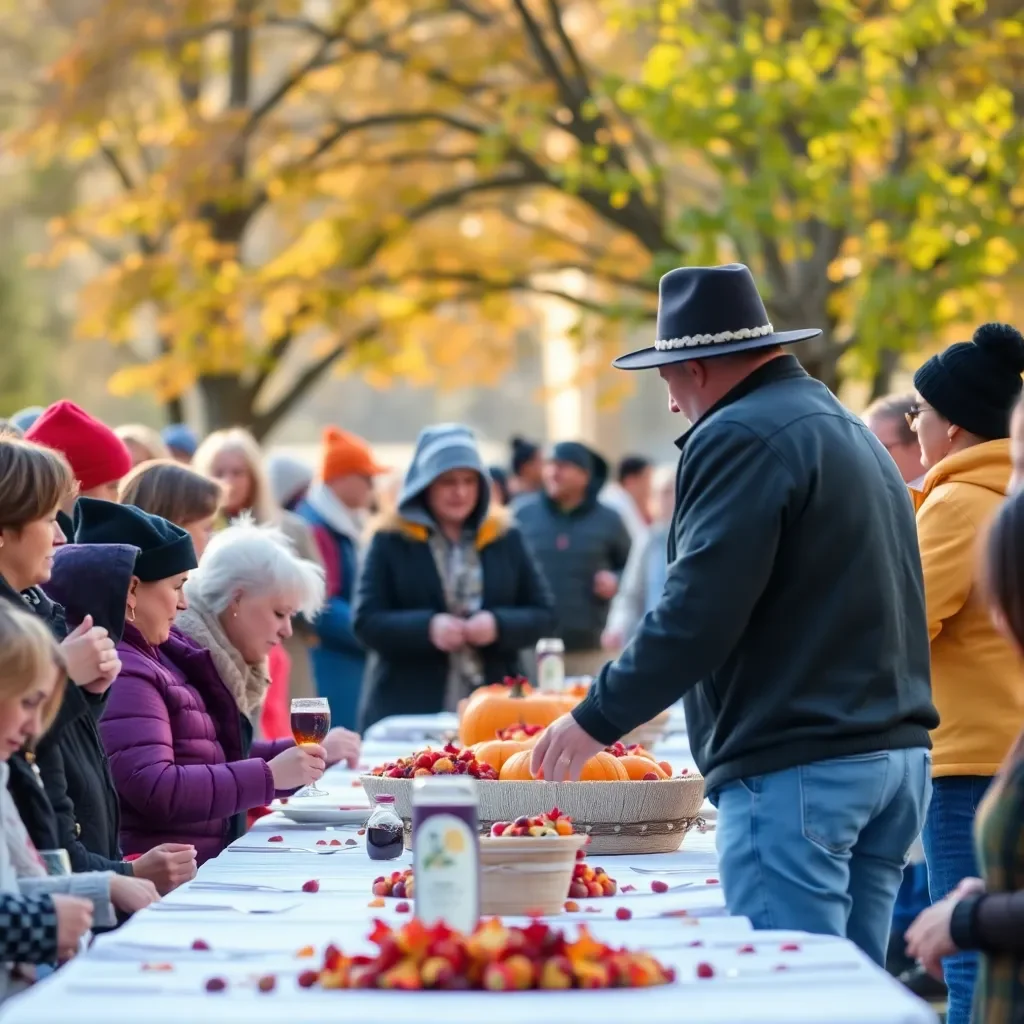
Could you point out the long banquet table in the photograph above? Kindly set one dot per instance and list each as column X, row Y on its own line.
column 148, row 971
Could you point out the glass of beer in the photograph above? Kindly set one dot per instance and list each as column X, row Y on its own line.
column 311, row 722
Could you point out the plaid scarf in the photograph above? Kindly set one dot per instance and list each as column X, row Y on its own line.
column 462, row 580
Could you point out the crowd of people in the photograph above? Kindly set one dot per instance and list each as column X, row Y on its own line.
column 814, row 601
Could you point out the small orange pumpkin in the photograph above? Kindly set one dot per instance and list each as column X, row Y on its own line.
column 497, row 752
column 601, row 767
column 637, row 767
column 639, row 751
column 516, row 704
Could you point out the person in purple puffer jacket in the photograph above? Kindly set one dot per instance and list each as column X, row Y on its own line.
column 178, row 728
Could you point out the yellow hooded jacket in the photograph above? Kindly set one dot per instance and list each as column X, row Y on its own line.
column 977, row 677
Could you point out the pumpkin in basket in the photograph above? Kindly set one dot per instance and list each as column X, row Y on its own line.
column 497, row 752
column 637, row 767
column 495, row 708
column 601, row 767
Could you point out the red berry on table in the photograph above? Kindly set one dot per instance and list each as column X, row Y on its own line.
column 789, row 947
column 697, row 943
column 659, row 886
column 349, row 842
column 307, row 979
column 629, row 888
column 321, row 842
column 705, row 970
column 361, row 832
column 276, row 839
column 267, row 983
column 623, row 913
column 746, row 949
column 335, row 842
column 200, row 944
column 711, row 881
column 402, row 907
column 216, row 985
column 311, row 886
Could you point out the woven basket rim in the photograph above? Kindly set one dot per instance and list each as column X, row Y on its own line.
column 532, row 844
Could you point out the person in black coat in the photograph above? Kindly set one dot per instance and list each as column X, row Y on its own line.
column 448, row 595
column 792, row 624
column 63, row 789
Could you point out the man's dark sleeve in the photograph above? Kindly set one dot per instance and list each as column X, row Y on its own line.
column 991, row 922
column 620, row 543
column 733, row 493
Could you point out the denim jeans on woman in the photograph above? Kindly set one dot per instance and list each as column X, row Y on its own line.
column 821, row 847
column 949, row 853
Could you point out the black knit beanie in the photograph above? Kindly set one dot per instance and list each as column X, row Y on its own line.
column 165, row 550
column 522, row 452
column 975, row 384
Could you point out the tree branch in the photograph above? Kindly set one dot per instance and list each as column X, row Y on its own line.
column 567, row 44
column 290, row 81
column 263, row 421
column 545, row 57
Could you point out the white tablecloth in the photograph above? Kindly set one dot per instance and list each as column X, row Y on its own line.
column 124, row 978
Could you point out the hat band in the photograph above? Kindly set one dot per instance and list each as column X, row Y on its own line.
column 691, row 340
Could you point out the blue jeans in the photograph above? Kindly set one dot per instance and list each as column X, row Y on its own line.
column 912, row 898
column 821, row 848
column 949, row 851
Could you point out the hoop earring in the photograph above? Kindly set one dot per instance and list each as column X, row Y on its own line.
column 130, row 615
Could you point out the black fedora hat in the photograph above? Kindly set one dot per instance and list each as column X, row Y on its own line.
column 705, row 312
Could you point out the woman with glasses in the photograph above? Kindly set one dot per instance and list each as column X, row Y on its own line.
column 965, row 397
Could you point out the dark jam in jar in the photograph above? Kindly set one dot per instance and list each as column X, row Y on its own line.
column 385, row 833
column 385, row 843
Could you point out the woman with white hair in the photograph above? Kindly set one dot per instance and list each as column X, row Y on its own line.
column 234, row 459
column 179, row 726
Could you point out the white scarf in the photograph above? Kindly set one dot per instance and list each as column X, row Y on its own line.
column 248, row 683
column 349, row 522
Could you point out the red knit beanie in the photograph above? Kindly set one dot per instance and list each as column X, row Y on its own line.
column 96, row 454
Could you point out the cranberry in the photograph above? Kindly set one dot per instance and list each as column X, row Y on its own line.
column 200, row 944
column 311, row 886
column 705, row 970
column 216, row 985
column 659, row 886
column 623, row 913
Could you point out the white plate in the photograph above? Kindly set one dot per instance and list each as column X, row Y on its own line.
column 309, row 811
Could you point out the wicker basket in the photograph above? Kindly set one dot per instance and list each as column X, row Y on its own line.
column 619, row 817
column 521, row 875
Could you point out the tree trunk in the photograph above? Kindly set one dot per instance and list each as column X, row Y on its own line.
column 820, row 358
column 881, row 382
column 174, row 409
column 227, row 402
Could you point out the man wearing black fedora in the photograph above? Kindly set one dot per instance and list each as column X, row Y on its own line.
column 792, row 624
